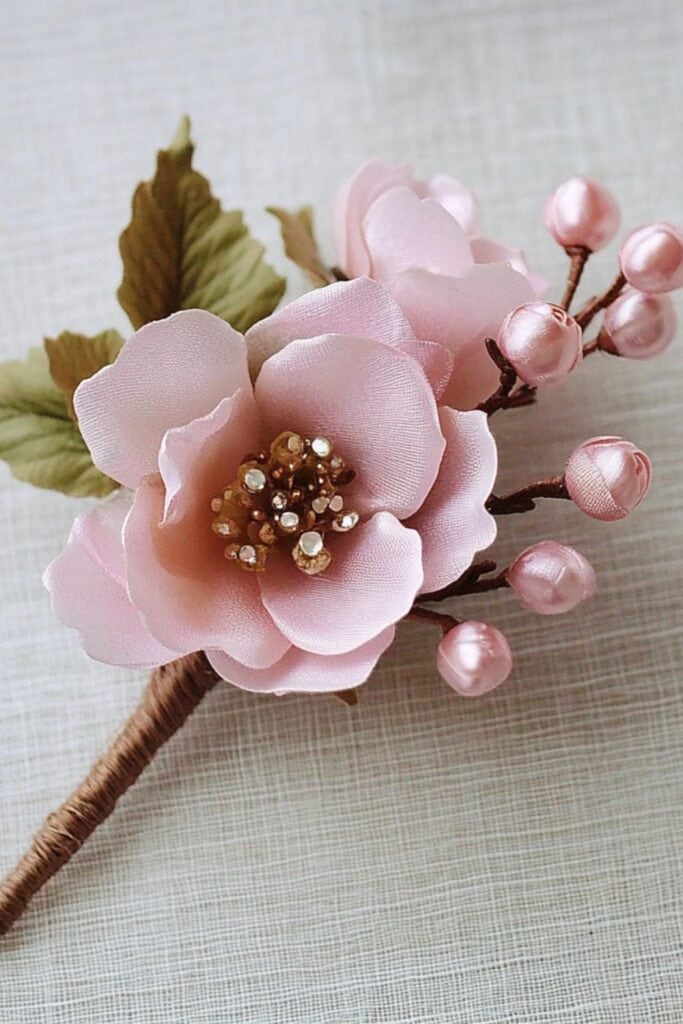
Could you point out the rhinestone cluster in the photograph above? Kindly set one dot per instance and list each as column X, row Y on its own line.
column 288, row 495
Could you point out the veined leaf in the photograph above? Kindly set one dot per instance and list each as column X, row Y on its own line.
column 38, row 438
column 182, row 251
column 300, row 244
column 75, row 357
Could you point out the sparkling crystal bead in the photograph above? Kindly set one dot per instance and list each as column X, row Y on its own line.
column 310, row 543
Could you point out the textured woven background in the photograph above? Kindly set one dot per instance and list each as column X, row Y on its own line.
column 420, row 858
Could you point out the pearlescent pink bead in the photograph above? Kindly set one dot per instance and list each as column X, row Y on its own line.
column 607, row 477
column 639, row 326
column 542, row 342
column 652, row 258
column 551, row 578
column 474, row 658
column 582, row 212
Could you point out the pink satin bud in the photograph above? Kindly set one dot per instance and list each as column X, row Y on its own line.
column 474, row 658
column 652, row 258
column 551, row 578
column 607, row 477
column 542, row 342
column 639, row 326
column 582, row 212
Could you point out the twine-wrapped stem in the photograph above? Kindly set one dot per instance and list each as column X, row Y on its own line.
column 172, row 694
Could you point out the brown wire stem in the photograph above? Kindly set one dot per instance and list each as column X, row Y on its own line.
column 172, row 694
column 469, row 583
column 524, row 500
column 504, row 397
column 592, row 308
column 444, row 622
column 578, row 255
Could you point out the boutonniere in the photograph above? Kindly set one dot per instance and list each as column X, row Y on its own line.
column 279, row 486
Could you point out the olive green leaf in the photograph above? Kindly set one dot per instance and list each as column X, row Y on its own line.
column 38, row 438
column 75, row 357
column 300, row 244
column 182, row 251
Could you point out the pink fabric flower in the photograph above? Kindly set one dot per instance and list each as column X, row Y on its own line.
column 420, row 240
column 143, row 576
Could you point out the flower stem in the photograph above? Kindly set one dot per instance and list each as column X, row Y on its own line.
column 592, row 308
column 504, row 397
column 524, row 500
column 469, row 583
column 172, row 694
column 578, row 255
column 444, row 622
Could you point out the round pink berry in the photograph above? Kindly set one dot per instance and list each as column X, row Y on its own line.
column 652, row 258
column 607, row 477
column 639, row 326
column 551, row 578
column 542, row 342
column 582, row 212
column 473, row 658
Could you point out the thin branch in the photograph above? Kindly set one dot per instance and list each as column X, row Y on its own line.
column 504, row 397
column 578, row 255
column 592, row 308
column 524, row 500
column 444, row 622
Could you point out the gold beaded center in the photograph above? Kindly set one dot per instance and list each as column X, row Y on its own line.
column 288, row 495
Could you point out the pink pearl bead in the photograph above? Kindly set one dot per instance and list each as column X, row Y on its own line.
column 551, row 578
column 652, row 258
column 582, row 212
column 474, row 658
column 542, row 342
column 639, row 326
column 607, row 477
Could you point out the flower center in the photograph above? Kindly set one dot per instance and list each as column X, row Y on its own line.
column 288, row 495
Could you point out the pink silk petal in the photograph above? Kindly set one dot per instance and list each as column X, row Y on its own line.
column 453, row 522
column 402, row 232
column 87, row 586
column 169, row 373
column 189, row 595
column 487, row 250
column 435, row 360
column 352, row 203
column 460, row 313
column 371, row 583
column 372, row 402
column 361, row 308
column 301, row 672
column 459, row 201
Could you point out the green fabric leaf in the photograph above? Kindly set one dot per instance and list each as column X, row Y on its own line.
column 300, row 244
column 75, row 357
column 182, row 251
column 38, row 438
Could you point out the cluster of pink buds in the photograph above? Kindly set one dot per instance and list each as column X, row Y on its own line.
column 538, row 344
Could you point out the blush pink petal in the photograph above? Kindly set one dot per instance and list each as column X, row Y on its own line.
column 402, row 231
column 436, row 362
column 372, row 402
column 301, row 672
column 453, row 523
column 170, row 372
column 87, row 585
column 460, row 313
column 361, row 308
column 375, row 573
column 187, row 592
column 352, row 203
column 487, row 250
column 459, row 201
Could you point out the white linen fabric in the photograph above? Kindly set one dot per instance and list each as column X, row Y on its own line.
column 419, row 858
